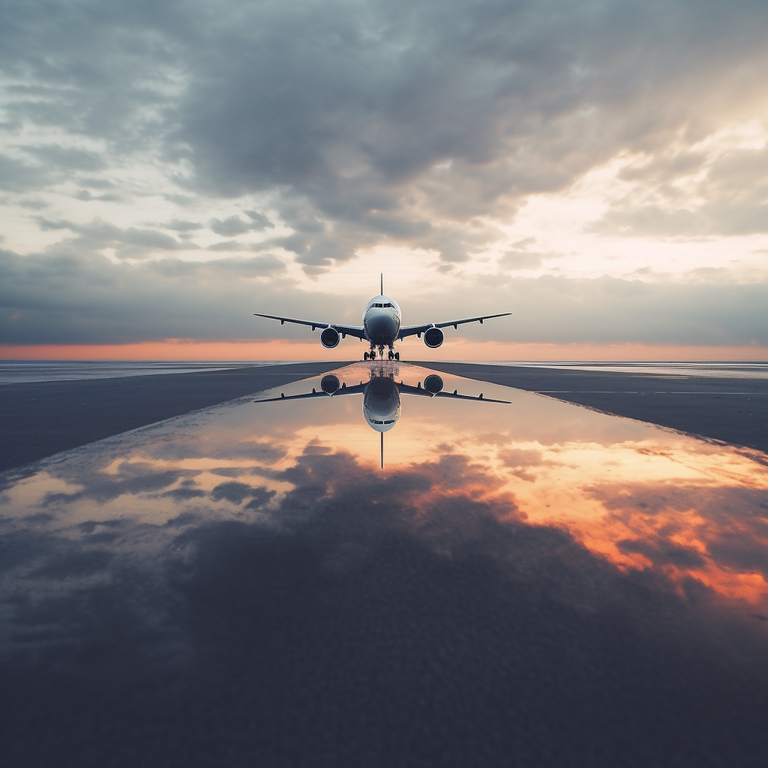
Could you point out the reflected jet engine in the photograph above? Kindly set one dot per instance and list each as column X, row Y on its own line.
column 330, row 384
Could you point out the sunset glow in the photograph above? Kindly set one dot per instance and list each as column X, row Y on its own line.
column 458, row 349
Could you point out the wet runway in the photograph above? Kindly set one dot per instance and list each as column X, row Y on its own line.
column 722, row 402
column 529, row 583
column 41, row 418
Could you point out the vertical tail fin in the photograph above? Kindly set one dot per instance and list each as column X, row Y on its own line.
column 382, row 284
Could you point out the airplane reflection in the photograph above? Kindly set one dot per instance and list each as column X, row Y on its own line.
column 381, row 395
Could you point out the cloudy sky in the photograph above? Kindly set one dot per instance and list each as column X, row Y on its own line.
column 597, row 167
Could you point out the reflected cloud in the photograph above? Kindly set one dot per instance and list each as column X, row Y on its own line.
column 638, row 496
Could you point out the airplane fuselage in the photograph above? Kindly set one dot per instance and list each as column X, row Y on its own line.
column 381, row 321
column 381, row 403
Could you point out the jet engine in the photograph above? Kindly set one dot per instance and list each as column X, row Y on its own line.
column 330, row 384
column 433, row 338
column 433, row 384
column 329, row 338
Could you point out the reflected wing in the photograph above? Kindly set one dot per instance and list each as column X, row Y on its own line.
column 407, row 389
column 344, row 330
column 357, row 389
column 410, row 330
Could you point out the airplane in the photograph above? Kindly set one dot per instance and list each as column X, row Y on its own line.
column 381, row 327
column 381, row 396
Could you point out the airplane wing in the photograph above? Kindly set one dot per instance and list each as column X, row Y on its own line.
column 407, row 389
column 410, row 330
column 344, row 330
column 357, row 389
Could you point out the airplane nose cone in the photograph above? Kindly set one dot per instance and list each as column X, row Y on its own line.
column 381, row 325
column 381, row 404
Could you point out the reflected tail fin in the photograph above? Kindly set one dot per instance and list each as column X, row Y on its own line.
column 382, row 449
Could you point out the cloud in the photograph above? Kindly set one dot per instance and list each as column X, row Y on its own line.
column 17, row 176
column 85, row 298
column 520, row 257
column 182, row 226
column 388, row 122
column 425, row 126
column 234, row 225
column 71, row 297
column 688, row 195
column 130, row 242
column 70, row 158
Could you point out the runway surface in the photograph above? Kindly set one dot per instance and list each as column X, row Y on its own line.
column 40, row 419
column 732, row 410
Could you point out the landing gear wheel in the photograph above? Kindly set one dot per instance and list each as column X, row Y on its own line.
column 397, row 355
column 391, row 355
column 365, row 356
column 372, row 355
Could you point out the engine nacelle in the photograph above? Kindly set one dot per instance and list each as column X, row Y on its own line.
column 433, row 384
column 330, row 384
column 433, row 338
column 329, row 338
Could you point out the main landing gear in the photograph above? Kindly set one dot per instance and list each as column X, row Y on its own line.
column 372, row 354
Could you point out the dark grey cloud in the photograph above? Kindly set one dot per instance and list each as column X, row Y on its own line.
column 17, row 176
column 130, row 242
column 67, row 157
column 73, row 297
column 614, row 310
column 67, row 297
column 133, row 479
column 236, row 493
column 182, row 226
column 234, row 225
column 86, row 195
column 386, row 121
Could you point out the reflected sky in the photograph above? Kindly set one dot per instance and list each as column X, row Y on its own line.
column 532, row 578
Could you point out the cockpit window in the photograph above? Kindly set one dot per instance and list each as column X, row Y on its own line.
column 382, row 305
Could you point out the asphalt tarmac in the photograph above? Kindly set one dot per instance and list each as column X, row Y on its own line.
column 732, row 410
column 43, row 418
